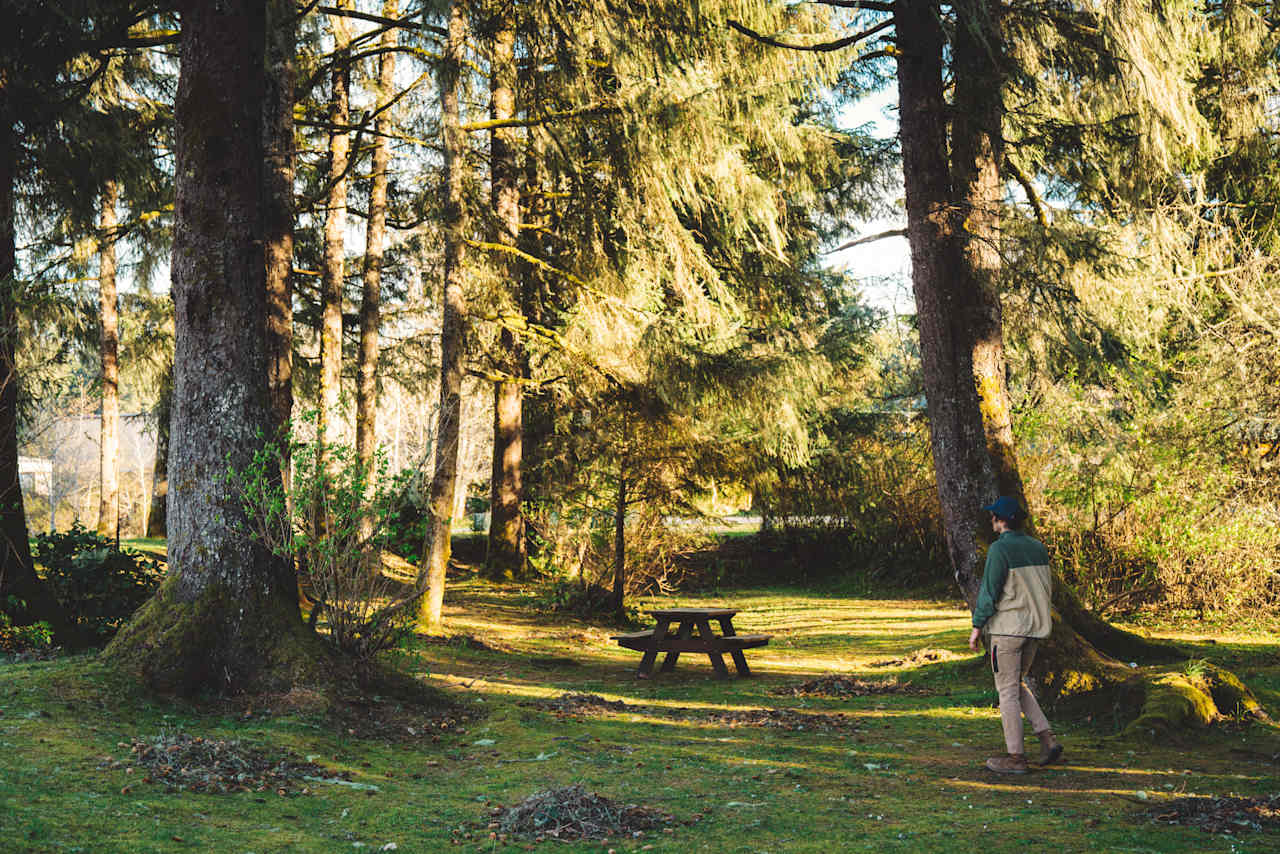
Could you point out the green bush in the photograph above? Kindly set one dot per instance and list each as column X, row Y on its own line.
column 98, row 585
column 33, row 638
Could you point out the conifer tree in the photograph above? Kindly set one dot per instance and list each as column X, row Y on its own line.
column 226, row 617
column 438, row 545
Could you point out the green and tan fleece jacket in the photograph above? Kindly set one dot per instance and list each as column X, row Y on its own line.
column 1016, row 588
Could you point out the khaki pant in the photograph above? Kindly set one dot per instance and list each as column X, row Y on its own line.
column 1011, row 658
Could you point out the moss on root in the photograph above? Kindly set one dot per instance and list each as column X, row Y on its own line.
column 219, row 643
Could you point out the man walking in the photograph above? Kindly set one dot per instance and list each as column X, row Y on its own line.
column 1014, row 611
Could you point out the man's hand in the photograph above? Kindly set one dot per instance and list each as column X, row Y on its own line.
column 974, row 637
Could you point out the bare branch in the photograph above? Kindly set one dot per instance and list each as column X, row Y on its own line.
column 820, row 47
column 870, row 238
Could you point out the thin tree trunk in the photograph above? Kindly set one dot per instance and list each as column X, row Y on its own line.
column 109, row 444
column 226, row 618
column 452, row 328
column 506, row 552
column 620, row 541
column 335, row 225
column 282, row 37
column 156, row 519
column 371, row 286
column 18, row 577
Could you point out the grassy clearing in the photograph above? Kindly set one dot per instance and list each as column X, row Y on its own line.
column 900, row 771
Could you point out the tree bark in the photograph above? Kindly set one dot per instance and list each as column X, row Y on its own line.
column 157, row 524
column 335, row 225
column 452, row 327
column 371, row 285
column 18, row 577
column 620, row 542
column 282, row 37
column 953, row 231
column 109, row 432
column 506, row 552
column 943, row 308
column 226, row 618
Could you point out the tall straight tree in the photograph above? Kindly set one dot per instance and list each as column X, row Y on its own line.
column 109, row 441
column 335, row 226
column 18, row 577
column 282, row 38
column 438, row 546
column 375, row 240
column 953, row 211
column 506, row 552
column 226, row 618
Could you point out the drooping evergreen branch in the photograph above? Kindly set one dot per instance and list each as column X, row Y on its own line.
column 869, row 5
column 405, row 22
column 532, row 121
column 820, row 47
column 1032, row 196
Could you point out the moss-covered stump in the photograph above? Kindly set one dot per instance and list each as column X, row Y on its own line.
column 222, row 642
column 1193, row 699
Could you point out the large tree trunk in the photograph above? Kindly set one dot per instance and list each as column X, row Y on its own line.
column 226, row 618
column 157, row 519
column 964, row 474
column 437, row 548
column 371, row 285
column 109, row 440
column 18, row 577
column 335, row 226
column 506, row 553
column 277, row 110
column 953, row 230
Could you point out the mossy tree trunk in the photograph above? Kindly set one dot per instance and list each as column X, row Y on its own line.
column 332, row 271
column 157, row 519
column 438, row 546
column 226, row 617
column 109, row 353
column 371, row 281
column 953, row 199
column 506, row 548
column 282, row 36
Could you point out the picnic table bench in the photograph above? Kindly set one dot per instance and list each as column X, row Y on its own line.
column 693, row 633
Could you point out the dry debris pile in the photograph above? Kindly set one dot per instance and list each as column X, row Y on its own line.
column 574, row 813
column 1222, row 815
column 836, row 685
column 182, row 762
column 572, row 706
column 918, row 658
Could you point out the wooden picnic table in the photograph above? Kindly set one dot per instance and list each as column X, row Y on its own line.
column 692, row 633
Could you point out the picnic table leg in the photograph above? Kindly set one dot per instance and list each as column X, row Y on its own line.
column 651, row 653
column 669, row 663
column 739, row 660
column 717, row 660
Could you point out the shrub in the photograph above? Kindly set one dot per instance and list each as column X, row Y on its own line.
column 332, row 523
column 98, row 585
column 35, row 637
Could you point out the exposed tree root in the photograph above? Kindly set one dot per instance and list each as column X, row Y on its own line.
column 1087, row 666
column 222, row 643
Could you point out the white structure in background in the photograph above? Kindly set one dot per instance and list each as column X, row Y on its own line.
column 36, row 476
column 61, row 472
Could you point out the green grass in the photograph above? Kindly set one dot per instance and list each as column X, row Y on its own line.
column 909, row 778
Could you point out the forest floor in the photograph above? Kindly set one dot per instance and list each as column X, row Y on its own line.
column 888, row 758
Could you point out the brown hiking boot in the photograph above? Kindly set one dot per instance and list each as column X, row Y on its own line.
column 1050, row 750
column 1012, row 763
